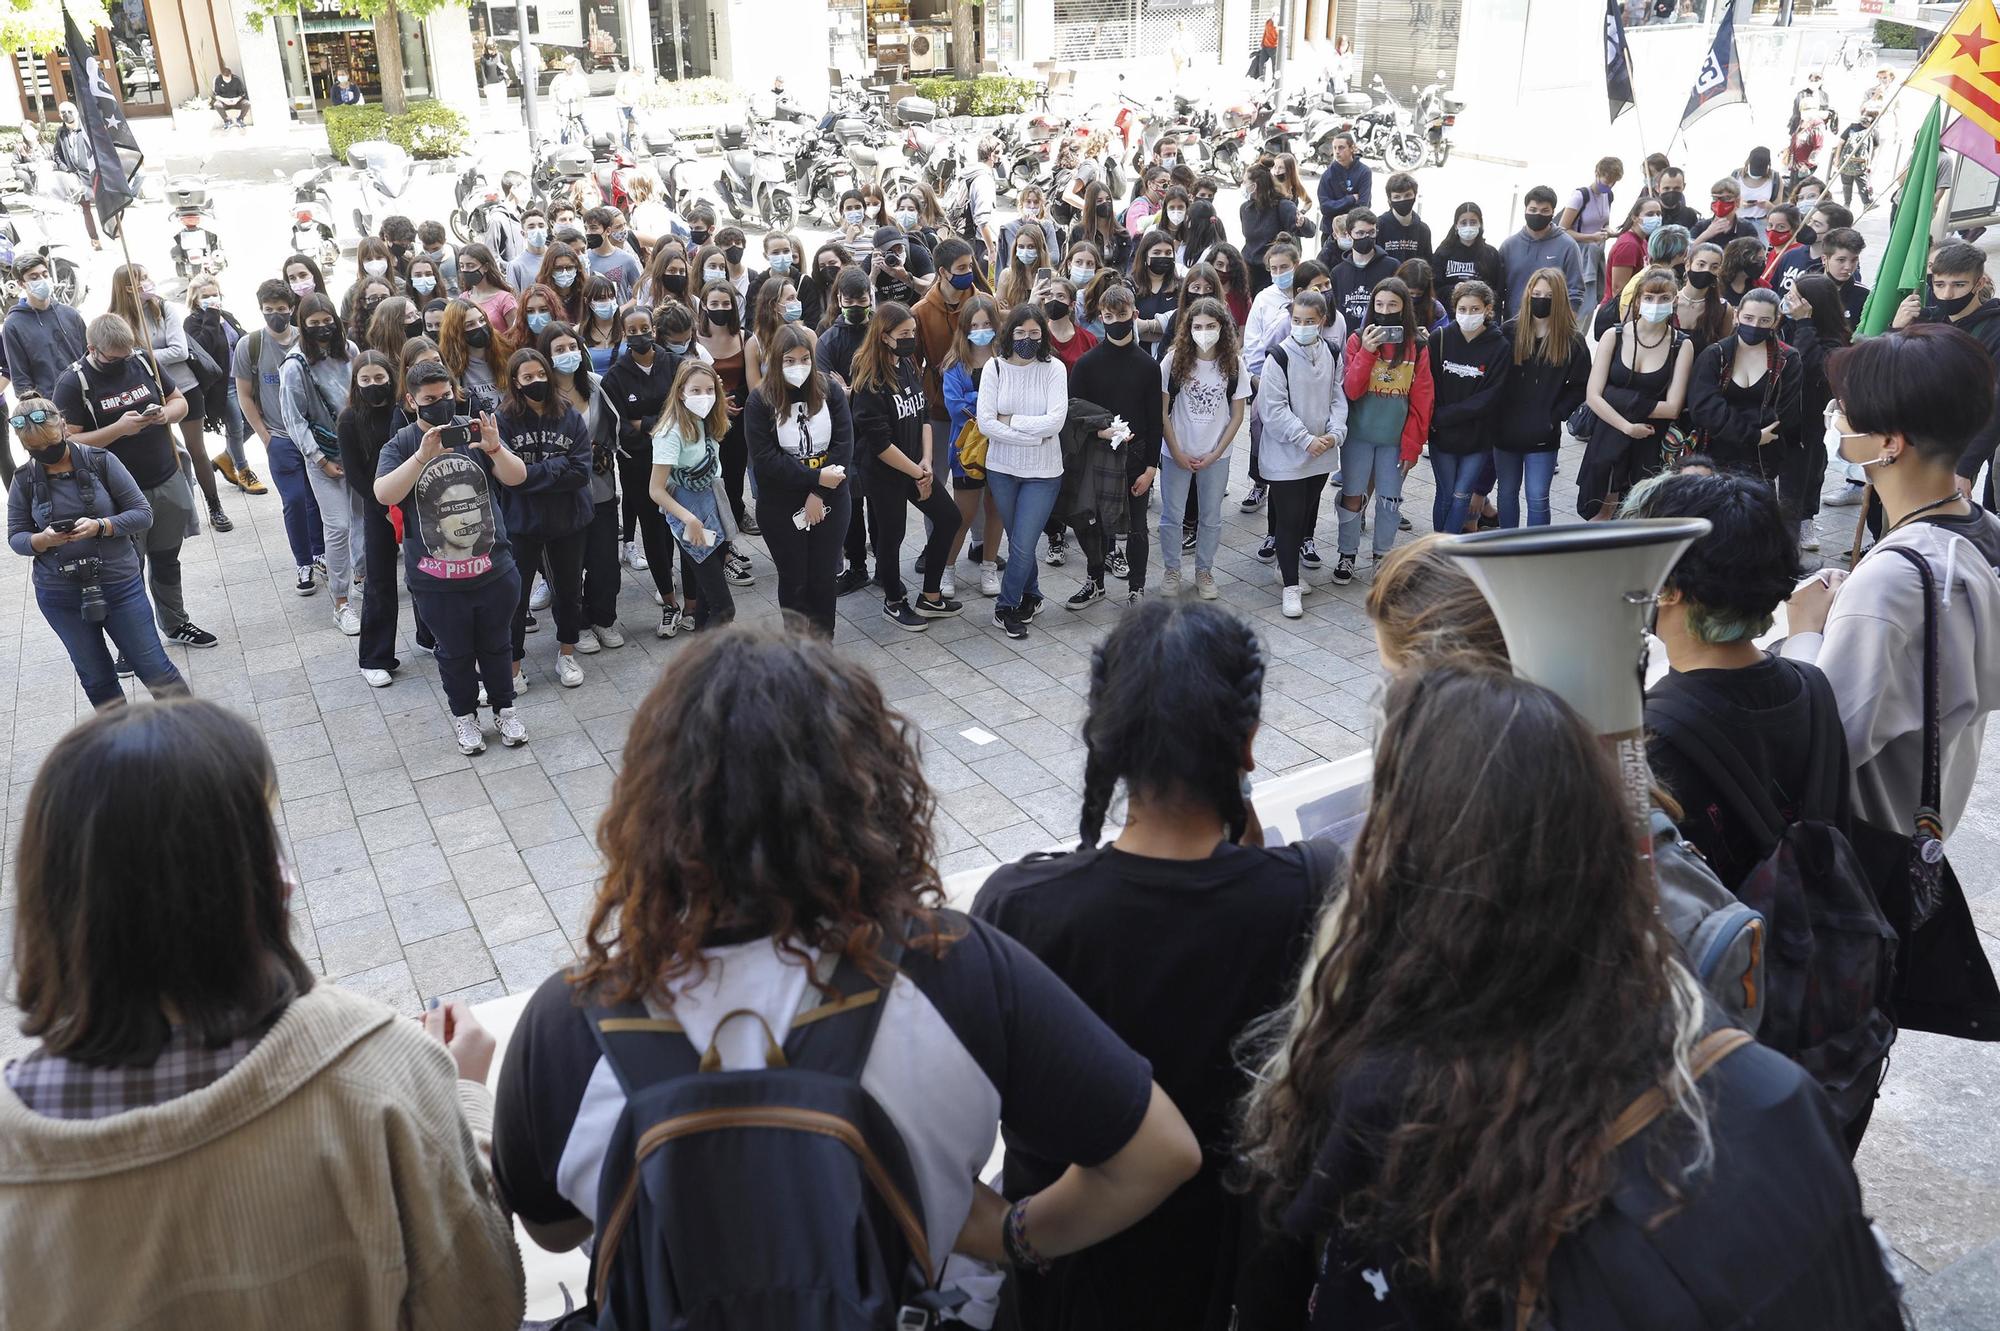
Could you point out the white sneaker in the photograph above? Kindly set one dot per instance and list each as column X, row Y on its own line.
column 610, row 635
column 586, row 642
column 378, row 679
column 1846, row 497
column 635, row 558
column 568, row 673
column 347, row 621
column 1170, row 583
column 947, row 585
column 672, row 618
column 989, row 579
column 471, row 739
column 1204, row 585
column 512, row 733
column 539, row 598
column 1294, row 603
column 1808, row 537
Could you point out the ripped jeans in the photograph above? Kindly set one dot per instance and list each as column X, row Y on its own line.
column 1359, row 464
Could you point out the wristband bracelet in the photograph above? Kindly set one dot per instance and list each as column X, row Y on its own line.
column 1021, row 1254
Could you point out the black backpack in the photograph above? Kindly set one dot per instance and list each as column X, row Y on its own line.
column 1832, row 951
column 763, row 1200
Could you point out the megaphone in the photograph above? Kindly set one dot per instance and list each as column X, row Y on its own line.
column 1572, row 602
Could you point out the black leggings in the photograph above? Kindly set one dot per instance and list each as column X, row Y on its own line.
column 713, row 601
column 1090, row 534
column 635, row 477
column 889, row 508
column 1294, row 516
column 601, row 577
column 380, row 557
column 735, row 457
column 565, row 573
column 808, row 561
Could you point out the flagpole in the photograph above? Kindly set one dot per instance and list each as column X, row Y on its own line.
column 1883, row 114
column 142, row 333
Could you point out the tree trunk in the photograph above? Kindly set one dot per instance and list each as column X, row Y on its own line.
column 964, row 43
column 389, row 58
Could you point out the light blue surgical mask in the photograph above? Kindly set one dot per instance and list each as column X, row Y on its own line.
column 536, row 237
column 1305, row 334
column 1283, row 281
column 980, row 337
column 537, row 321
column 568, row 362
column 604, row 309
column 907, row 219
column 680, row 348
column 1650, row 224
column 423, row 286
column 781, row 263
column 792, row 310
column 565, row 278
column 1081, row 275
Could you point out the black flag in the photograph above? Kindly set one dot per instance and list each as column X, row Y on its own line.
column 115, row 153
column 1720, row 81
column 1617, row 60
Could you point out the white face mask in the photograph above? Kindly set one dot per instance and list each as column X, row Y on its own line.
column 1305, row 334
column 1468, row 234
column 1345, row 243
column 1470, row 324
column 1656, row 311
column 700, row 404
column 796, row 375
column 714, row 275
column 1205, row 338
column 375, row 267
column 1175, row 216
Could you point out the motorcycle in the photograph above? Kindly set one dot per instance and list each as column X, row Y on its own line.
column 754, row 178
column 312, row 217
column 197, row 249
column 475, row 193
column 386, row 173
column 1437, row 111
column 612, row 166
column 820, row 174
column 1385, row 132
column 17, row 207
column 558, row 166
column 663, row 153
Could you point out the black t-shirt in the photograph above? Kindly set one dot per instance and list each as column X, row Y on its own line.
column 1177, row 956
column 93, row 396
column 454, row 534
column 885, row 415
column 637, row 393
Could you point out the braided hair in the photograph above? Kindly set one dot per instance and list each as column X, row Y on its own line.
column 1176, row 692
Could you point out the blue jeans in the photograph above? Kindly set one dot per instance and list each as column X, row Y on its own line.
column 1360, row 463
column 235, row 429
column 1025, row 505
column 1456, row 474
column 129, row 620
column 303, row 527
column 1208, row 485
column 1539, row 470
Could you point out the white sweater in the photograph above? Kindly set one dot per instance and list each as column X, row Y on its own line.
column 1036, row 397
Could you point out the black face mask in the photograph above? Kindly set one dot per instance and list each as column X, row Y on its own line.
column 439, row 412
column 1402, row 207
column 377, row 395
column 470, row 277
column 698, row 234
column 1672, row 199
column 1118, row 329
column 595, row 240
column 1104, row 210
column 676, row 283
column 322, row 335
column 734, row 254
column 50, row 455
column 1753, row 336
column 1058, row 310
column 1955, row 306
column 638, row 344
column 1806, row 235
column 1539, row 222
column 827, row 273
column 904, row 346
column 1364, row 246
column 1161, row 264
column 1703, row 280
column 413, row 328
column 536, row 392
column 854, row 314
column 1541, row 306
column 478, row 338
column 719, row 317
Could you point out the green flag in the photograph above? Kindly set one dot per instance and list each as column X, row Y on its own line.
column 1910, row 234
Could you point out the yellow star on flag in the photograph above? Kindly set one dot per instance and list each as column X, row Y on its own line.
column 1964, row 66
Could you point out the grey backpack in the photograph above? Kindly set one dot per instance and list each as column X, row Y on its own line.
column 1721, row 939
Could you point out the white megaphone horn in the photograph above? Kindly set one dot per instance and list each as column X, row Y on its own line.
column 1573, row 603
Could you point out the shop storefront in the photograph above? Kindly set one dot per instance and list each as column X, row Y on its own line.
column 322, row 40
column 889, row 41
column 592, row 31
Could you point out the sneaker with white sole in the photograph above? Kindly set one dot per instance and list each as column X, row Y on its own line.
column 1254, row 500
column 898, row 612
column 1808, row 536
column 512, row 732
column 1204, row 585
column 1092, row 590
column 347, row 621
column 1116, row 565
column 1294, row 603
column 1056, row 555
column 1010, row 623
column 587, row 643
column 471, row 739
column 635, row 558
column 1309, row 555
column 942, row 608
column 530, row 624
column 989, row 579
column 308, row 580
column 539, row 598
column 736, row 568
column 568, row 673
column 947, row 586
column 1267, row 553
column 377, row 679
column 1343, row 570
column 1170, row 583
column 191, row 634
column 671, row 619
column 609, row 635
column 1849, row 496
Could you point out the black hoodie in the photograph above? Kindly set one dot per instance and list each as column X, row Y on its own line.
column 1983, row 324
column 1471, row 379
column 1539, row 397
column 1730, row 425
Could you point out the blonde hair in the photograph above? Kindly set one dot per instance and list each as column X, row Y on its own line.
column 1555, row 348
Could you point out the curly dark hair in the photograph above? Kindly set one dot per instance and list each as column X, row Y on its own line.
column 1508, row 966
column 768, row 790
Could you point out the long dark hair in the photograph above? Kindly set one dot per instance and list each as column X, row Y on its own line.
column 121, row 915
column 517, row 403
column 1395, row 286
column 318, row 304
column 1176, row 691
column 774, row 387
column 875, row 364
column 691, row 849
column 1829, row 316
column 1509, row 963
column 1228, row 346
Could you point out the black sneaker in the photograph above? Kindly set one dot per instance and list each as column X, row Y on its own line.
column 1091, row 590
column 1343, row 570
column 1267, row 553
column 748, row 526
column 976, row 553
column 308, row 583
column 192, row 635
column 736, row 568
column 1057, row 552
column 900, row 614
column 1031, row 605
column 123, row 667
column 1309, row 555
column 1254, row 500
column 851, row 579
column 1187, row 538
column 220, row 520
column 1010, row 623
column 529, row 624
column 1403, row 524
column 920, row 562
column 942, row 608
column 1115, row 563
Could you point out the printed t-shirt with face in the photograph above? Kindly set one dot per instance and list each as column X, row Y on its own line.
column 1377, row 416
column 1201, row 407
column 97, row 395
column 453, row 532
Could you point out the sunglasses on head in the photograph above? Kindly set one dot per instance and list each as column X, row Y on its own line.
column 36, row 417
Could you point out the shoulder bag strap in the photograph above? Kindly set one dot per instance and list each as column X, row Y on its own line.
column 1716, row 755
column 1933, row 794
column 1826, row 766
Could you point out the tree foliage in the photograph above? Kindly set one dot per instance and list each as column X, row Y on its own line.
column 37, row 25
column 260, row 12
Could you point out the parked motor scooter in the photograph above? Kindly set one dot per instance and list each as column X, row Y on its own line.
column 196, row 248
column 753, row 179
column 312, row 217
column 386, row 174
column 474, row 193
column 25, row 230
column 1437, row 111
column 820, row 173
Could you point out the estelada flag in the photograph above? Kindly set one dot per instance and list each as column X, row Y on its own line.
column 1963, row 68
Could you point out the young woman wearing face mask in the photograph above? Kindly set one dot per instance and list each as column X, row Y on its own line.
column 133, row 297
column 562, row 272
column 1034, row 221
column 1233, row 274
column 1699, row 309
column 70, row 503
column 1154, row 283
column 425, row 282
column 1023, row 402
column 540, row 307
column 892, row 449
column 303, row 277
column 1628, row 248
column 1638, row 387
column 972, row 345
column 218, row 331
column 371, row 417
column 777, row 304
column 598, row 324
column 1389, row 391
column 313, row 382
column 1780, row 228
column 1030, row 257
column 801, row 442
column 475, row 351
column 718, row 324
column 674, row 325
column 827, row 261
column 1264, row 216
column 907, row 212
column 373, row 260
column 637, row 386
column 1471, row 361
column 548, row 513
column 1465, row 256
column 569, row 370
column 1547, row 382
column 369, row 296
column 687, row 465
column 483, row 282
column 1204, row 387
column 1098, row 225
column 396, row 321
column 1068, row 340
column 1081, row 262
column 1758, row 184
column 853, row 227
column 784, row 257
column 667, row 275
column 1303, row 404
column 1745, row 400
column 1819, row 328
